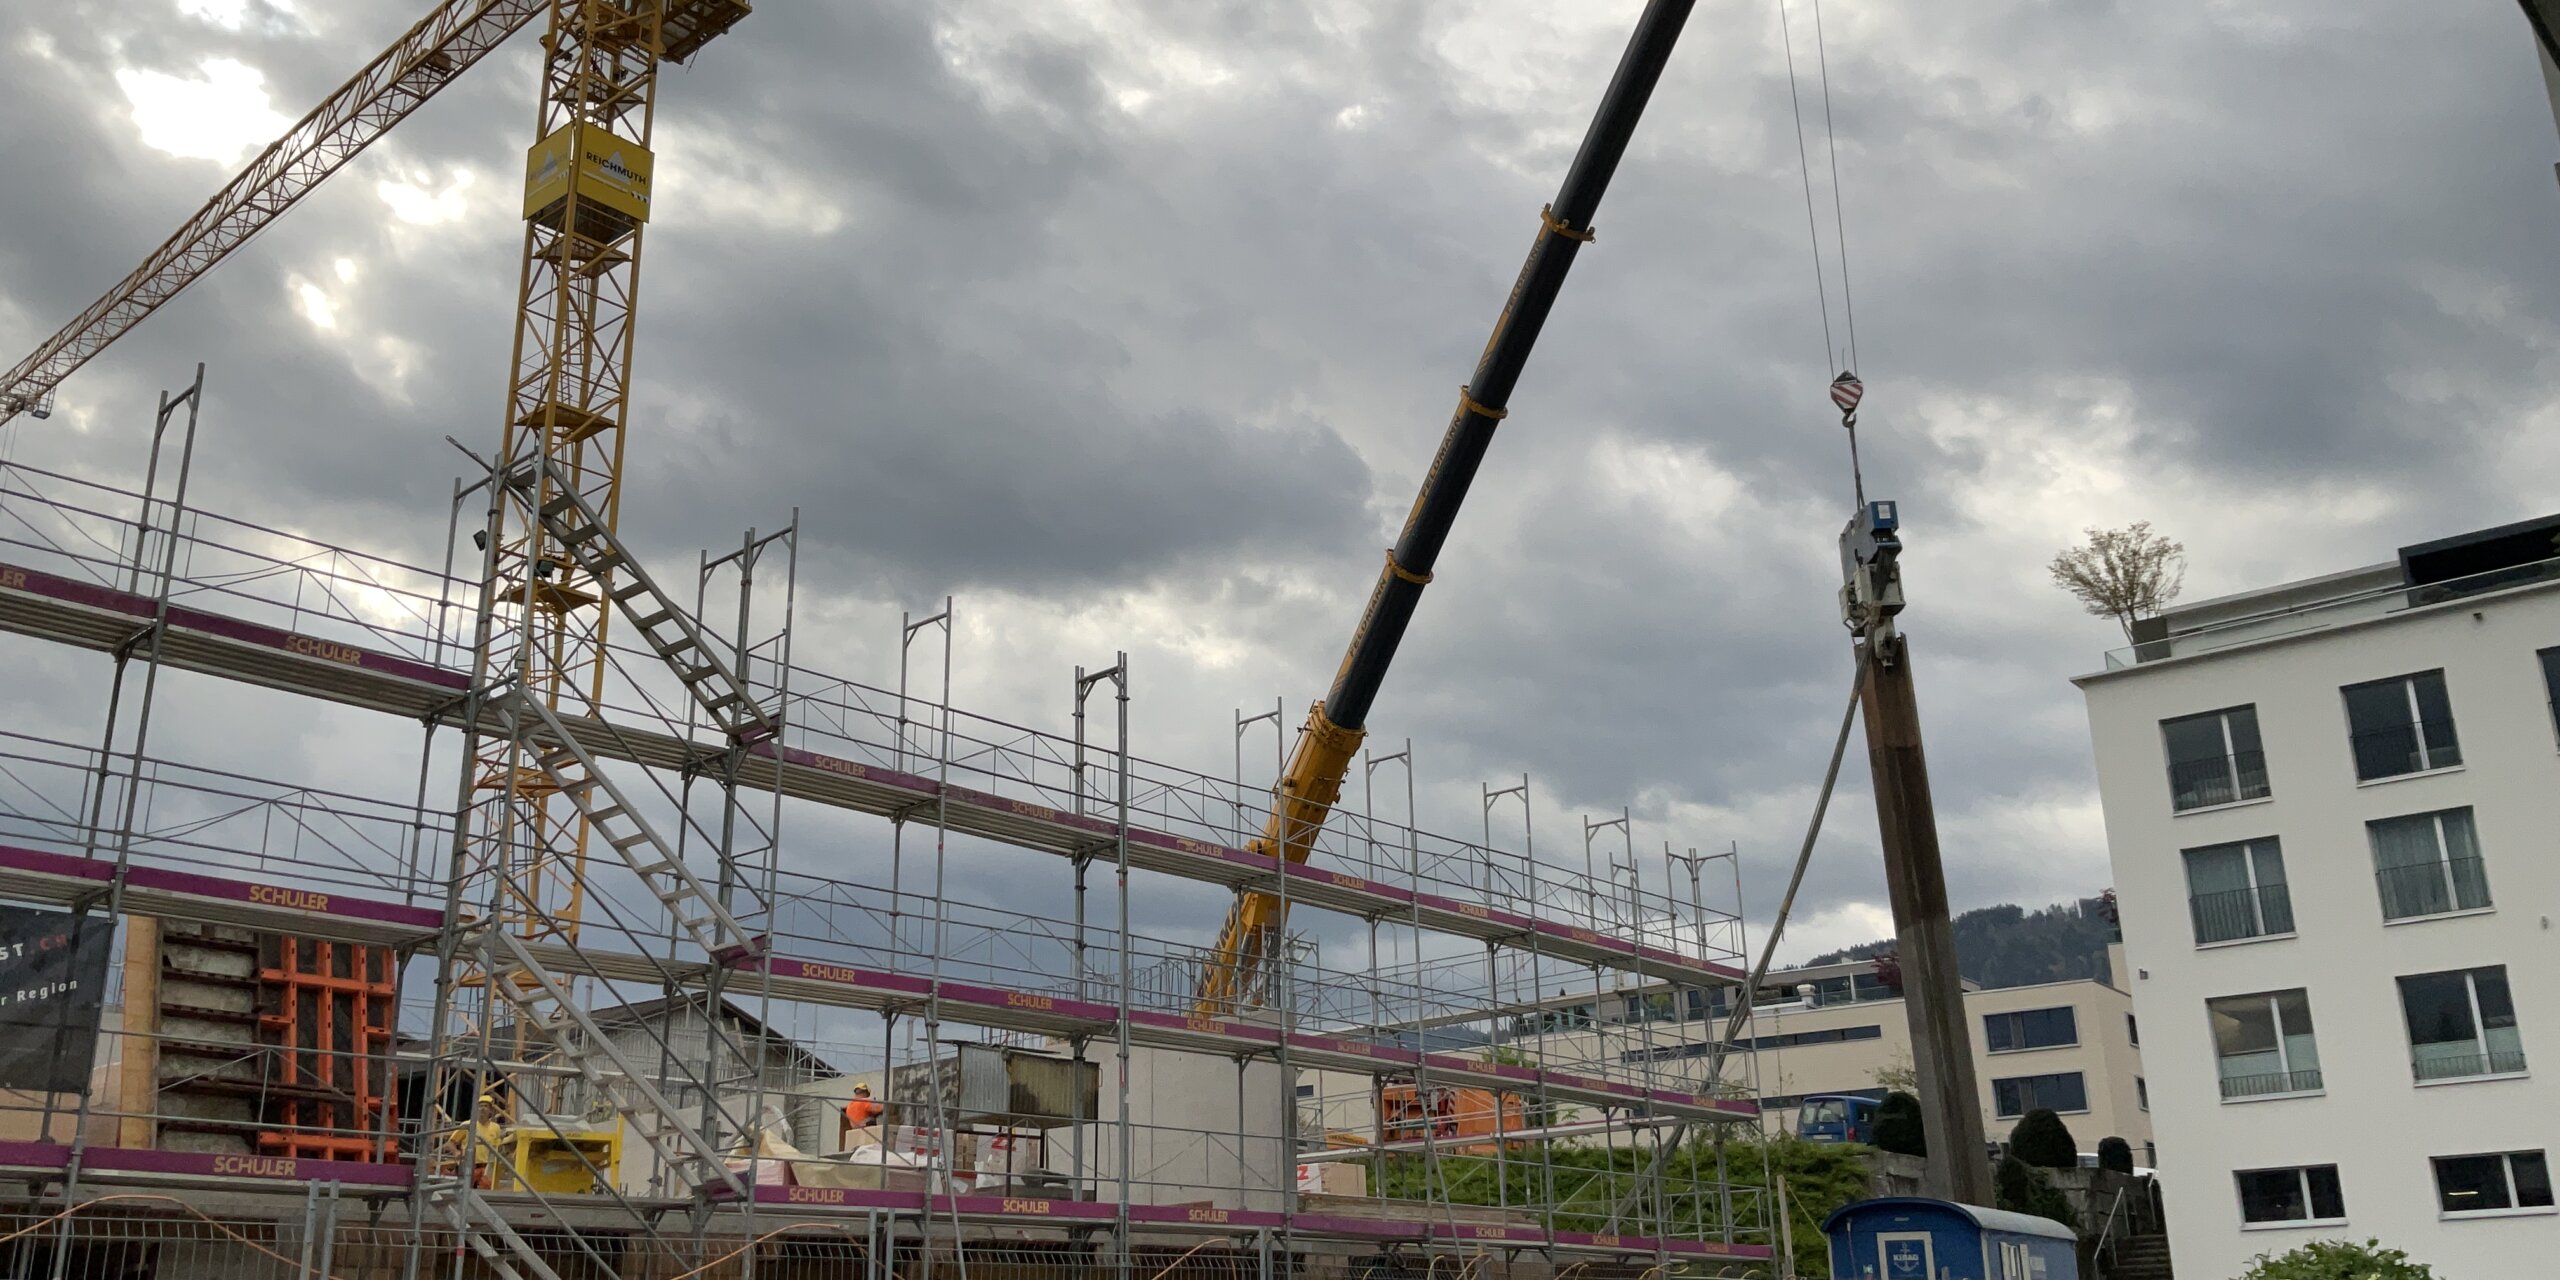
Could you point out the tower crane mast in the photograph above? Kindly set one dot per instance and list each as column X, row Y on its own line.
column 453, row 36
column 1307, row 788
column 587, row 201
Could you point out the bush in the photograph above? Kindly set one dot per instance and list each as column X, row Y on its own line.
column 1898, row 1125
column 2021, row 1189
column 2115, row 1153
column 2338, row 1260
column 2042, row 1140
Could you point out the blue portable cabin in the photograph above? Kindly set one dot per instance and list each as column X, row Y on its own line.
column 1914, row 1238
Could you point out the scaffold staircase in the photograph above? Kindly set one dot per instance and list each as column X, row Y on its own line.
column 569, row 770
column 664, row 626
column 542, row 1005
column 486, row 1232
column 685, row 1145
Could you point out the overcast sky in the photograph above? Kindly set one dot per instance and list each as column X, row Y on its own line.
column 1132, row 324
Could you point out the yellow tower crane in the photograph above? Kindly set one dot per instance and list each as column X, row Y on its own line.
column 586, row 203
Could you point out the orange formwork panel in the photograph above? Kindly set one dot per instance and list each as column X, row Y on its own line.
column 1446, row 1113
column 327, row 1010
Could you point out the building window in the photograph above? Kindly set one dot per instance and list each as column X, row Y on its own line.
column 2133, row 1031
column 2237, row 891
column 2030, row 1029
column 2401, row 725
column 2428, row 864
column 2142, row 1092
column 2264, row 1044
column 2291, row 1195
column 1788, row 1040
column 2461, row 1023
column 2551, row 684
column 2214, row 758
column 2487, row 1184
column 2018, row 1095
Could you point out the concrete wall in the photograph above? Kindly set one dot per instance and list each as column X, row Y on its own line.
column 1185, row 1148
column 2373, row 1120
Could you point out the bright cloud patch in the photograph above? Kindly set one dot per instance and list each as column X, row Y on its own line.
column 233, row 15
column 421, row 206
column 316, row 305
column 221, row 114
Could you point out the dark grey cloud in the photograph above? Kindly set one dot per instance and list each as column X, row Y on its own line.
column 1134, row 326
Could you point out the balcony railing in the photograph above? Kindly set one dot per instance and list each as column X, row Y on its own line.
column 2433, row 888
column 2354, row 606
column 2457, row 1065
column 2241, row 913
column 2388, row 753
column 2212, row 780
column 2267, row 1082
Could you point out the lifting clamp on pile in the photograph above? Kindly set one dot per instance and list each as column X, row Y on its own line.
column 1871, row 576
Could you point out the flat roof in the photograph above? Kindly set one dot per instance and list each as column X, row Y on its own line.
column 2016, row 1224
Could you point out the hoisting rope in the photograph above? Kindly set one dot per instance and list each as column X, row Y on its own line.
column 1846, row 389
column 1723, row 1041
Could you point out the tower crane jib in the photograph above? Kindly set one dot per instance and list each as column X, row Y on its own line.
column 445, row 43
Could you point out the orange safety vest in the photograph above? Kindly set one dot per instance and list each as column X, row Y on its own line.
column 860, row 1112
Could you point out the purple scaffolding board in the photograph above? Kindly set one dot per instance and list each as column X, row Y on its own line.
column 54, row 1157
column 56, row 608
column 60, row 878
column 857, row 987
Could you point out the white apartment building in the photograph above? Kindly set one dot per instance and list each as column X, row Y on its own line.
column 1831, row 1030
column 2331, row 808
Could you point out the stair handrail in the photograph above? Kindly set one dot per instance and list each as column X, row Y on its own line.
column 2106, row 1229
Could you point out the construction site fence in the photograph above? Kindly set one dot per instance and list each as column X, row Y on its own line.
column 160, row 1236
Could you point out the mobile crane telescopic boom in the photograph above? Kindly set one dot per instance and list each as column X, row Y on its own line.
column 1312, row 781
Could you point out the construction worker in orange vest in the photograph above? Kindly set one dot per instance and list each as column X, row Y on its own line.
column 860, row 1112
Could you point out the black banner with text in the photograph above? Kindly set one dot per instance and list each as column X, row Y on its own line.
column 53, row 974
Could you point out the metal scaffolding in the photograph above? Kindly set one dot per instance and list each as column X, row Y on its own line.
column 661, row 1091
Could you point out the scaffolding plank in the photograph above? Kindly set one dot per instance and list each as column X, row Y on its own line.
column 72, row 612
column 1042, row 1013
column 61, row 879
column 144, row 1162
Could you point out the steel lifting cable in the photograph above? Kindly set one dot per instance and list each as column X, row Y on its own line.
column 1846, row 389
column 1777, row 928
column 1804, row 168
